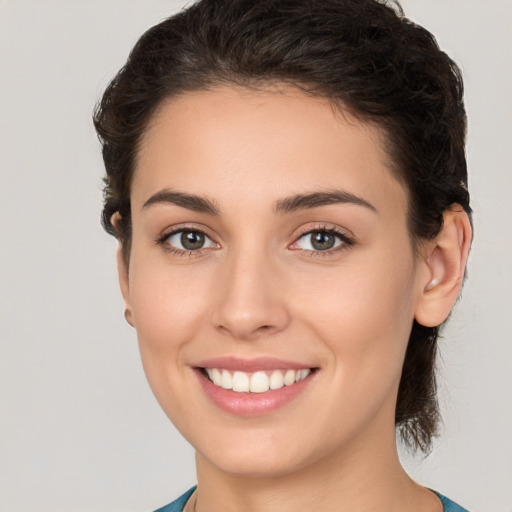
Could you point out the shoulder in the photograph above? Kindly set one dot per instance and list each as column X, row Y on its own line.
column 177, row 505
column 449, row 505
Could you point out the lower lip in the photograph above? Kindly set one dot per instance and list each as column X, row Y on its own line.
column 252, row 404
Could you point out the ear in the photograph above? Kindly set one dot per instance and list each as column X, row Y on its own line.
column 122, row 272
column 444, row 266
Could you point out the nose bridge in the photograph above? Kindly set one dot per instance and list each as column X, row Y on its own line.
column 250, row 302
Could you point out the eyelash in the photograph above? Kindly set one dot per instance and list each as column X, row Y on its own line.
column 163, row 241
column 346, row 241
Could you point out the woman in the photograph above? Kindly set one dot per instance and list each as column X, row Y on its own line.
column 287, row 182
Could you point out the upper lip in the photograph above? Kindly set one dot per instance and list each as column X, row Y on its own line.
column 251, row 365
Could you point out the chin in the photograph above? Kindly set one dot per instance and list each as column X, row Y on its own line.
column 259, row 459
column 257, row 466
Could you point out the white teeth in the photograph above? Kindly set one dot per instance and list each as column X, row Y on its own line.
column 216, row 376
column 226, row 380
column 289, row 377
column 257, row 382
column 276, row 380
column 241, row 382
column 304, row 373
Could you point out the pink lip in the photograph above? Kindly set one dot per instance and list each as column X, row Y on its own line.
column 250, row 365
column 251, row 404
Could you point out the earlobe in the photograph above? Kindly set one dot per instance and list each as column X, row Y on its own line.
column 124, row 284
column 445, row 264
column 123, row 275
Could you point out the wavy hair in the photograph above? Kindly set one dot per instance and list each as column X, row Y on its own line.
column 364, row 56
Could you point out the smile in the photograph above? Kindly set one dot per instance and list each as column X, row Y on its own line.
column 255, row 382
column 254, row 387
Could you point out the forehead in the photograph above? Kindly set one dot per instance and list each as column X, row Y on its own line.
column 234, row 142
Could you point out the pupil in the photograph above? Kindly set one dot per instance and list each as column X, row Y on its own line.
column 192, row 240
column 322, row 241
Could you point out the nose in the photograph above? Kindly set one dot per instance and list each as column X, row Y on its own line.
column 251, row 299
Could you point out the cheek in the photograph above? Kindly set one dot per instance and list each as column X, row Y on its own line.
column 169, row 306
column 168, row 311
column 364, row 315
column 164, row 316
column 363, row 320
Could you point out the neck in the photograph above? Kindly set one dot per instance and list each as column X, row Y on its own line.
column 366, row 477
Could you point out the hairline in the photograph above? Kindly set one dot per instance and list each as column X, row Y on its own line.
column 340, row 109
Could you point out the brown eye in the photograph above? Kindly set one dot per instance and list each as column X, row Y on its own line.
column 192, row 240
column 322, row 241
column 189, row 240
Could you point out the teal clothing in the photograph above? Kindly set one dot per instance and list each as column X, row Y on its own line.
column 449, row 505
column 177, row 506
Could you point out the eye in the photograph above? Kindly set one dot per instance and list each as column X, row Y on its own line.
column 321, row 240
column 189, row 240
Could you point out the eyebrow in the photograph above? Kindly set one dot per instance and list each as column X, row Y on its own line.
column 189, row 201
column 282, row 206
column 316, row 199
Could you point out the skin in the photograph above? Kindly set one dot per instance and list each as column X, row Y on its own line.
column 258, row 288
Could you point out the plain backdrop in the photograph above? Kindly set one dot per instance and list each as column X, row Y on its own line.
column 79, row 427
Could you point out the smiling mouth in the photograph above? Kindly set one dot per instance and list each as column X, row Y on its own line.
column 255, row 382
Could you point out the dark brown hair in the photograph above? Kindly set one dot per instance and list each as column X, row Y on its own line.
column 365, row 57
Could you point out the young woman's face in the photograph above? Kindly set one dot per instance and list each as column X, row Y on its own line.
column 270, row 245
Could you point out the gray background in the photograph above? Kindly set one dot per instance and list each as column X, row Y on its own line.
column 79, row 428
